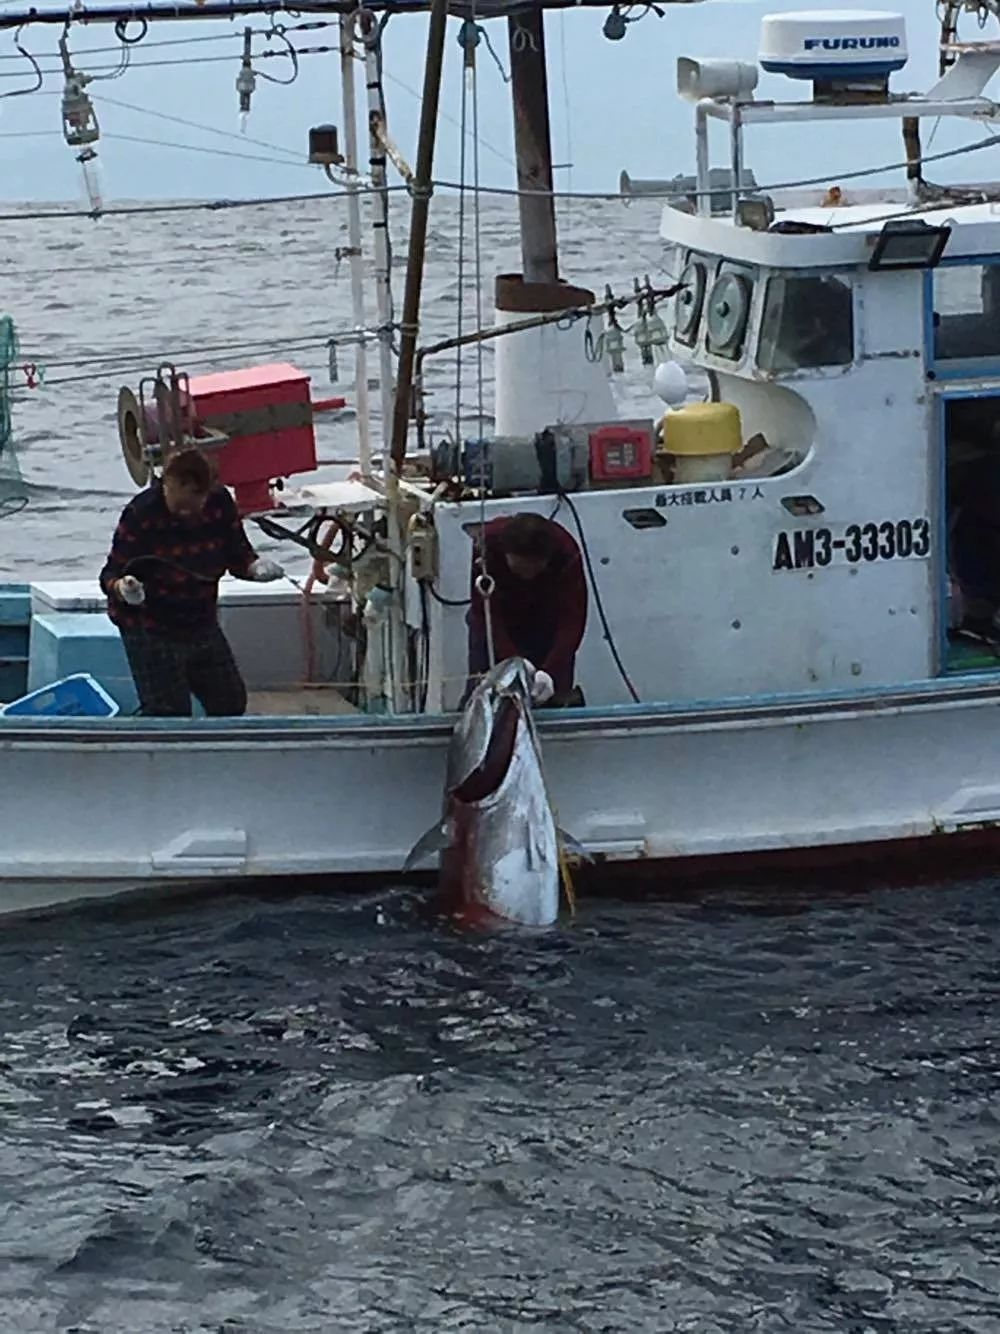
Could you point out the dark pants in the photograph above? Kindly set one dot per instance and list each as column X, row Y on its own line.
column 536, row 649
column 167, row 672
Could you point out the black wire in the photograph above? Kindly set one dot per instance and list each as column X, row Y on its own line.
column 448, row 602
column 598, row 602
column 121, row 32
column 203, row 206
column 174, row 565
column 37, row 69
column 425, row 633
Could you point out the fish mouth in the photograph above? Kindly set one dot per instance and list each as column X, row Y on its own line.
column 486, row 778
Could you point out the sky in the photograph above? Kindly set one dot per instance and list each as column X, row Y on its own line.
column 613, row 105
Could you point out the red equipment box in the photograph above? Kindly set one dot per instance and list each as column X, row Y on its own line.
column 622, row 452
column 267, row 414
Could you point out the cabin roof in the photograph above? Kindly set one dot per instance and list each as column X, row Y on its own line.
column 858, row 219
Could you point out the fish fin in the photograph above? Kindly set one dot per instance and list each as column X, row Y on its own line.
column 436, row 840
column 572, row 847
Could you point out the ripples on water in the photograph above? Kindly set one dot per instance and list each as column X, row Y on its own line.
column 103, row 304
column 706, row 1115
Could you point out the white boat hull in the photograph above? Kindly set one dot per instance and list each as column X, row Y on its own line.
column 92, row 808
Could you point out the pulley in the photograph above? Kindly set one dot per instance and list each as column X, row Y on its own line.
column 132, row 437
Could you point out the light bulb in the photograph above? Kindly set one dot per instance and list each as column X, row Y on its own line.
column 91, row 171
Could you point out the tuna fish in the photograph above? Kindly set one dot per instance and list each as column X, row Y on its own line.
column 499, row 845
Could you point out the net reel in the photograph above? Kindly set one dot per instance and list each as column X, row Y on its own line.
column 160, row 421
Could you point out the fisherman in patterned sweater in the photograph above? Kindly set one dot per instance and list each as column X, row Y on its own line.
column 538, row 607
column 173, row 543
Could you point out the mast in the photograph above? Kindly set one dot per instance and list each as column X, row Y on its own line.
column 371, row 37
column 354, row 253
column 422, row 184
column 533, row 145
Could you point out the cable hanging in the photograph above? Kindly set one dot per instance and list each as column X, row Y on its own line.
column 39, row 76
column 215, row 205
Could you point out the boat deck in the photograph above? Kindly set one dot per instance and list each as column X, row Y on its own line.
column 309, row 701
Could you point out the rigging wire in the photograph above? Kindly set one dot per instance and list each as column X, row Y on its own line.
column 452, row 120
column 189, row 206
column 95, row 71
column 857, row 174
column 598, row 601
column 501, row 191
column 291, row 52
column 85, row 53
column 477, row 242
column 568, row 124
column 195, row 125
column 158, row 356
column 112, row 365
column 462, row 154
column 133, row 210
column 112, row 135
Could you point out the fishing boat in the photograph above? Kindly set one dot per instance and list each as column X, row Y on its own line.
column 790, row 654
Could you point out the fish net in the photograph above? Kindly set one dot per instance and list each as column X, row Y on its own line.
column 13, row 496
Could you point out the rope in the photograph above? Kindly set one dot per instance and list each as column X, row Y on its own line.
column 485, row 586
column 469, row 37
column 484, row 581
column 466, row 40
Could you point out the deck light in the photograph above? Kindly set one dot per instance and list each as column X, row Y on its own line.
column 246, row 80
column 755, row 212
column 909, row 244
column 323, row 147
column 614, row 25
column 80, row 127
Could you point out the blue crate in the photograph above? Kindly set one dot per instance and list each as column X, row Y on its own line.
column 68, row 643
column 78, row 696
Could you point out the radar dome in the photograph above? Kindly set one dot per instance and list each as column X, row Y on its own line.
column 833, row 45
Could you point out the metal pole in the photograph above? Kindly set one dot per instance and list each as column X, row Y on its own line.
column 380, row 226
column 736, row 159
column 395, row 620
column 703, row 198
column 354, row 254
column 222, row 9
column 422, row 182
column 533, row 146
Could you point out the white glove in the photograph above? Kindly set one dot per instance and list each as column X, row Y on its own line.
column 542, row 688
column 264, row 571
column 130, row 590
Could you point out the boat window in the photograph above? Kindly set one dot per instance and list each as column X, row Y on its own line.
column 966, row 311
column 807, row 321
column 728, row 309
column 689, row 301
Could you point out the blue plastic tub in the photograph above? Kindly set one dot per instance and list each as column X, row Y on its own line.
column 77, row 696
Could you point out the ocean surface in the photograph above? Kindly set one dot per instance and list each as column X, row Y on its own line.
column 731, row 1112
column 742, row 1111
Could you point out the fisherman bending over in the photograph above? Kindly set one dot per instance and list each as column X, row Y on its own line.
column 173, row 544
column 538, row 607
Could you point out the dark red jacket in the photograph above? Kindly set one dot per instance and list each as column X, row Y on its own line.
column 541, row 619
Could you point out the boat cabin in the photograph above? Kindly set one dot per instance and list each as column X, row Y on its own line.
column 824, row 516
